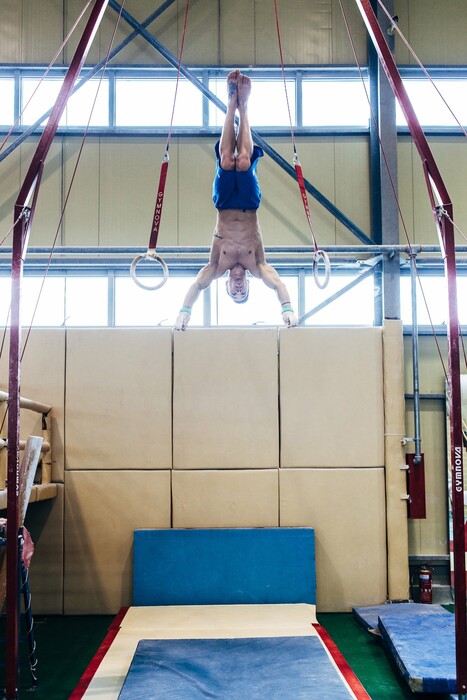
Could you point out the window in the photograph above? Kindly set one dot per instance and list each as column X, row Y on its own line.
column 267, row 106
column 38, row 98
column 86, row 301
column 7, row 100
column 149, row 102
column 135, row 306
column 335, row 103
column 51, row 307
column 429, row 106
column 354, row 308
column 143, row 98
column 435, row 292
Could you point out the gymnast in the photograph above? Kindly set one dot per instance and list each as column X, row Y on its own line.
column 237, row 244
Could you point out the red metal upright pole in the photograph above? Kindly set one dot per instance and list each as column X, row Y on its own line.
column 23, row 217
column 443, row 214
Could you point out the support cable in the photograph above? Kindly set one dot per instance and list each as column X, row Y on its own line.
column 72, row 180
column 435, row 184
column 45, row 74
column 318, row 254
column 391, row 181
column 395, row 26
column 156, row 221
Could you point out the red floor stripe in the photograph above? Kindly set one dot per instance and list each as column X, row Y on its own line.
column 355, row 685
column 96, row 660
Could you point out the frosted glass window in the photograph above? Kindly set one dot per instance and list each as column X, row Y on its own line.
column 435, row 292
column 51, row 307
column 430, row 107
column 267, row 105
column 262, row 306
column 150, row 102
column 335, row 103
column 5, row 292
column 86, row 301
column 39, row 98
column 135, row 306
column 7, row 95
column 355, row 307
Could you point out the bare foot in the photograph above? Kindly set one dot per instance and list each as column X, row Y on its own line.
column 232, row 85
column 244, row 90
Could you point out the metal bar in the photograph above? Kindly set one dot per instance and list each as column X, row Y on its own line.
column 277, row 158
column 28, row 403
column 342, row 291
column 92, row 72
column 445, row 228
column 12, row 578
column 23, row 219
column 416, row 381
column 331, row 249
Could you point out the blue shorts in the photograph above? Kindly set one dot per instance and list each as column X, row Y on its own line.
column 236, row 189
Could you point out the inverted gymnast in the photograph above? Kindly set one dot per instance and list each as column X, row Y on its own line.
column 237, row 245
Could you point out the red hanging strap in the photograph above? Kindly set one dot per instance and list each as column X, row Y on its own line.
column 156, row 219
column 318, row 254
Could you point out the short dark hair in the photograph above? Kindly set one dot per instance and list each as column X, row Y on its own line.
column 247, row 293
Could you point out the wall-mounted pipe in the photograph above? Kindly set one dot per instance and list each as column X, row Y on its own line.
column 415, row 360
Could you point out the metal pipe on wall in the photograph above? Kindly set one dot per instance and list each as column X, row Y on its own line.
column 415, row 361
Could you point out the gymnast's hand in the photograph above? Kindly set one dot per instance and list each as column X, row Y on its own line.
column 289, row 319
column 182, row 321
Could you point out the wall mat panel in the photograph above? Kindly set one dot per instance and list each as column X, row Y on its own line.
column 225, row 412
column 225, row 498
column 43, row 380
column 102, row 509
column 118, row 408
column 346, row 508
column 331, row 395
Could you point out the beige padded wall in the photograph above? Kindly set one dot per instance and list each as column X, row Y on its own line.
column 42, row 379
column 435, row 30
column 331, row 397
column 225, row 498
column 346, row 508
column 102, row 509
column 430, row 536
column 225, row 406
column 118, row 401
column 396, row 486
column 44, row 521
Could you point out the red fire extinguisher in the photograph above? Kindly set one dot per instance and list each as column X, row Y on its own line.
column 425, row 585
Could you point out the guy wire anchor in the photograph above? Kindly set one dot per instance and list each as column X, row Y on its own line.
column 390, row 30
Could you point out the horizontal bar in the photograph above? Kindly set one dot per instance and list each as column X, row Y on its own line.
column 22, row 445
column 28, row 404
column 331, row 249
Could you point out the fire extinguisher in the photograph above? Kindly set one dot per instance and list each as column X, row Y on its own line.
column 425, row 585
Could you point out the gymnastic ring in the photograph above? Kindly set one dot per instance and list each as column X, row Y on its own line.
column 150, row 255
column 321, row 255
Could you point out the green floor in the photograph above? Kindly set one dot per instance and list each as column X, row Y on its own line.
column 65, row 645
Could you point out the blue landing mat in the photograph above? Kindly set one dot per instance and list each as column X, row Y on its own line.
column 273, row 668
column 368, row 616
column 224, row 566
column 424, row 650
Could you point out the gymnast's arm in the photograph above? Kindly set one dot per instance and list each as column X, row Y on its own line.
column 203, row 279
column 272, row 280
